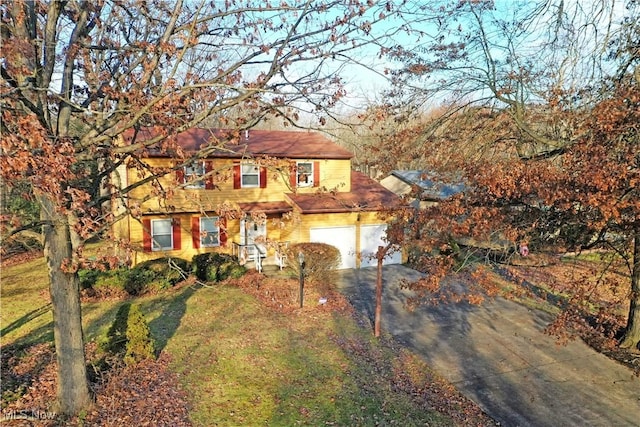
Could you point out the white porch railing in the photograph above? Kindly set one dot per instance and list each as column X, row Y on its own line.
column 257, row 254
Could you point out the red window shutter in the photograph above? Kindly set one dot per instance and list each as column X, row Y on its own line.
column 195, row 231
column 208, row 181
column 180, row 176
column 222, row 224
column 177, row 242
column 263, row 177
column 146, row 235
column 316, row 174
column 293, row 175
column 236, row 176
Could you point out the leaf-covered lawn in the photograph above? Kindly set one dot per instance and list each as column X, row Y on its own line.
column 239, row 353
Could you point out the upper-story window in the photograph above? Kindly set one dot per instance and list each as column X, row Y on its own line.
column 250, row 175
column 304, row 174
column 194, row 175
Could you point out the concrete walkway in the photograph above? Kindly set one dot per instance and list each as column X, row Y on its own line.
column 497, row 355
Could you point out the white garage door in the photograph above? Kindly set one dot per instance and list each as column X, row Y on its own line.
column 343, row 238
column 372, row 236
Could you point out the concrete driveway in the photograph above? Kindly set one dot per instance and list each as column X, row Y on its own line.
column 498, row 356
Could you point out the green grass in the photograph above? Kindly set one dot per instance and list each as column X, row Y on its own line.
column 243, row 364
column 26, row 311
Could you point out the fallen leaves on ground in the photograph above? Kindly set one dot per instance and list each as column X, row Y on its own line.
column 19, row 258
column 554, row 279
column 283, row 295
column 147, row 394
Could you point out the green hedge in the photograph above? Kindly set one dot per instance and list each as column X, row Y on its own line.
column 214, row 267
column 157, row 275
column 140, row 345
column 147, row 277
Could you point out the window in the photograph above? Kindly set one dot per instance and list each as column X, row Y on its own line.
column 304, row 174
column 194, row 175
column 209, row 232
column 250, row 175
column 161, row 234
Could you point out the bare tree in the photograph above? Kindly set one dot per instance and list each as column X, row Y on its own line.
column 77, row 73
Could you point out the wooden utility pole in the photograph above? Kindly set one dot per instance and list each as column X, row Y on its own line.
column 378, row 316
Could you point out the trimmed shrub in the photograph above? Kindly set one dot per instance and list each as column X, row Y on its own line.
column 215, row 267
column 140, row 345
column 129, row 336
column 104, row 284
column 138, row 279
column 148, row 277
column 116, row 341
column 88, row 277
column 321, row 261
column 156, row 275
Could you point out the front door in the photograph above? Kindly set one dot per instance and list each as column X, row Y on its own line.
column 253, row 233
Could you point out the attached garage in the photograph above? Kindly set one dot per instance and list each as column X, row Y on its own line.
column 372, row 236
column 343, row 238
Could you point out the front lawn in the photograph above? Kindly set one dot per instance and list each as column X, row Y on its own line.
column 233, row 354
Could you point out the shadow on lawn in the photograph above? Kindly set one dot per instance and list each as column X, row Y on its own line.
column 165, row 325
column 28, row 317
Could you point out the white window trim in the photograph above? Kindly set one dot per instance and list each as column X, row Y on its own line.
column 154, row 246
column 309, row 177
column 195, row 180
column 243, row 174
column 215, row 220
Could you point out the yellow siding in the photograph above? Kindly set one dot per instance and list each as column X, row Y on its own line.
column 186, row 251
column 334, row 175
column 294, row 231
column 183, row 203
column 274, row 233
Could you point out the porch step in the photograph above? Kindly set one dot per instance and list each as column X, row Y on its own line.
column 269, row 262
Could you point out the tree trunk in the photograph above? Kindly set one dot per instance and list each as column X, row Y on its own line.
column 631, row 337
column 378, row 315
column 73, row 390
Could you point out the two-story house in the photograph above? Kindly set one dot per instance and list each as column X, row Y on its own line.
column 248, row 193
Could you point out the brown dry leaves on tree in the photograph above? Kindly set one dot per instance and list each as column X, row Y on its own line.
column 551, row 276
